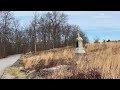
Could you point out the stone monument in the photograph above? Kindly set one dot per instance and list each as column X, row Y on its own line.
column 79, row 45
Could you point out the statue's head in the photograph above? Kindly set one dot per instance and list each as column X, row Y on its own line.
column 78, row 36
column 78, row 33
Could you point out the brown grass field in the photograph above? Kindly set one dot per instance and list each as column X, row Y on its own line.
column 102, row 61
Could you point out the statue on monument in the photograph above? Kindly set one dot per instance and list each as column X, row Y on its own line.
column 79, row 44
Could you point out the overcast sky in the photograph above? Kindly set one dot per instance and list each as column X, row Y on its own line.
column 103, row 24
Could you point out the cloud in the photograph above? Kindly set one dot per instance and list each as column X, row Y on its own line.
column 23, row 13
column 26, row 13
column 77, row 13
column 102, row 15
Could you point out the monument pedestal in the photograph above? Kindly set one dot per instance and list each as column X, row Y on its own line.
column 80, row 51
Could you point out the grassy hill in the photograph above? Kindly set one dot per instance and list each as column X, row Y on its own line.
column 102, row 61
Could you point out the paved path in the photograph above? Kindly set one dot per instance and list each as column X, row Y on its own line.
column 8, row 61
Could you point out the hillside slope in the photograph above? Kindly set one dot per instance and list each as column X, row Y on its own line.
column 100, row 62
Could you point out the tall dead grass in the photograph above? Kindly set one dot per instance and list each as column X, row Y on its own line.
column 101, row 61
column 30, row 61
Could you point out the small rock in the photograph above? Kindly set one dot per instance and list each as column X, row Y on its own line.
column 60, row 67
column 21, row 68
column 32, row 74
column 48, row 71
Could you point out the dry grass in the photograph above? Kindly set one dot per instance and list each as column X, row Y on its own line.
column 55, row 54
column 102, row 61
column 14, row 71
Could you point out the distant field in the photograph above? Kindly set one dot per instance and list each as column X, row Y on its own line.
column 101, row 61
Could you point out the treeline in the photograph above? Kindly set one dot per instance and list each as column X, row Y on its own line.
column 47, row 31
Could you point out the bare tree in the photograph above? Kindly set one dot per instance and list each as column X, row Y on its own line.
column 6, row 30
column 48, row 31
column 33, row 31
column 96, row 40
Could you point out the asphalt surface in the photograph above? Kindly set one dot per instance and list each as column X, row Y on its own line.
column 8, row 61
